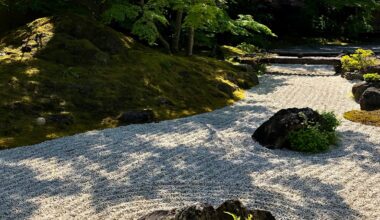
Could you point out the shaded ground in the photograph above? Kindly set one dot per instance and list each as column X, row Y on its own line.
column 129, row 171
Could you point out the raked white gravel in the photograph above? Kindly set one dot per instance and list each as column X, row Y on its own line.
column 126, row 172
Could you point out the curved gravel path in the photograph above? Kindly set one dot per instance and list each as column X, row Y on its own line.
column 126, row 172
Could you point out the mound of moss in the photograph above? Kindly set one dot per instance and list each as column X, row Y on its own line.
column 364, row 117
column 80, row 75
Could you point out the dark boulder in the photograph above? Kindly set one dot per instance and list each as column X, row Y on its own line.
column 61, row 120
column 137, row 117
column 370, row 99
column 207, row 212
column 26, row 49
column 359, row 88
column 227, row 89
column 195, row 212
column 274, row 132
column 353, row 76
column 372, row 69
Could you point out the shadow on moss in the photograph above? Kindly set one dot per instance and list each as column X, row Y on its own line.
column 94, row 73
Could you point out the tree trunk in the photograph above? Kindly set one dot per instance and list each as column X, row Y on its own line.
column 177, row 30
column 165, row 43
column 190, row 41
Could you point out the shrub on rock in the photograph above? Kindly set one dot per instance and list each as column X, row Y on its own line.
column 360, row 60
column 371, row 77
column 298, row 129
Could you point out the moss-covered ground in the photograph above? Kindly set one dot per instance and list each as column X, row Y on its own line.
column 92, row 73
column 364, row 117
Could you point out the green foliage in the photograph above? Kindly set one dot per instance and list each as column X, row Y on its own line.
column 151, row 20
column 318, row 137
column 248, row 48
column 204, row 15
column 235, row 217
column 372, row 77
column 121, row 12
column 310, row 139
column 146, row 27
column 360, row 60
column 329, row 122
column 245, row 23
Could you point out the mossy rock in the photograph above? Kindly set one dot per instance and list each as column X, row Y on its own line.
column 103, row 37
column 69, row 51
column 93, row 74
column 364, row 117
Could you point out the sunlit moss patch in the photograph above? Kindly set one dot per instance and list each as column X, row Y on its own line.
column 364, row 117
column 95, row 74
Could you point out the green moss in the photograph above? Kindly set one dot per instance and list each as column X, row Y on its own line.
column 67, row 74
column 371, row 77
column 364, row 117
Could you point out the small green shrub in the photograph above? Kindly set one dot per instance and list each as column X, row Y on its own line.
column 316, row 137
column 329, row 122
column 235, row 217
column 372, row 77
column 248, row 48
column 310, row 139
column 360, row 60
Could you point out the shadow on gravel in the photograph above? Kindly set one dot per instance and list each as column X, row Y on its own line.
column 271, row 84
column 20, row 185
column 204, row 158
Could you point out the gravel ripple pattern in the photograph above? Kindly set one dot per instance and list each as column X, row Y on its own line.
column 126, row 172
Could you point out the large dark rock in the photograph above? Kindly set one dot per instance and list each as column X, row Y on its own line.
column 370, row 99
column 207, row 212
column 359, row 88
column 274, row 132
column 373, row 69
column 195, row 212
column 353, row 76
column 137, row 117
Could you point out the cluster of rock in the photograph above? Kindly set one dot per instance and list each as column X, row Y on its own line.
column 368, row 95
column 358, row 75
column 274, row 133
column 207, row 212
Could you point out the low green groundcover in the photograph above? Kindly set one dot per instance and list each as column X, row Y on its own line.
column 316, row 137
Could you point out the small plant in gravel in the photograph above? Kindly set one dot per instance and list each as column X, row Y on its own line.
column 372, row 77
column 316, row 137
column 235, row 217
column 360, row 60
